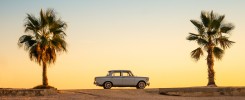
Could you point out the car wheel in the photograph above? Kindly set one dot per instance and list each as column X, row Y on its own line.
column 141, row 85
column 107, row 85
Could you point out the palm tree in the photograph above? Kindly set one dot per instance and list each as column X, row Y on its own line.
column 213, row 37
column 45, row 38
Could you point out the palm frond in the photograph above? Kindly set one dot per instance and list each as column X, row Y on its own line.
column 197, row 24
column 43, row 18
column 30, row 43
column 218, row 53
column 212, row 16
column 202, row 42
column 205, row 19
column 34, row 54
column 50, row 16
column 25, row 38
column 32, row 23
column 59, row 44
column 217, row 22
column 59, row 32
column 201, row 32
column 27, row 41
column 58, row 27
column 224, row 42
column 192, row 36
column 226, row 28
column 50, row 55
column 197, row 53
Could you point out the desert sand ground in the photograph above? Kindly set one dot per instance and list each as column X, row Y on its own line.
column 115, row 94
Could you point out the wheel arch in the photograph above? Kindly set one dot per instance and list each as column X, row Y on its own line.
column 141, row 81
column 108, row 81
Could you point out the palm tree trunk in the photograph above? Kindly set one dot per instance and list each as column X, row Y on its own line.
column 45, row 78
column 210, row 62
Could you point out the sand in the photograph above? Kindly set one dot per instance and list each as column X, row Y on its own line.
column 115, row 94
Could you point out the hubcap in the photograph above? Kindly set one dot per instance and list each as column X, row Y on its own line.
column 141, row 85
column 108, row 85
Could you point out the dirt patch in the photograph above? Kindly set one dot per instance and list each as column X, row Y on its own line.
column 115, row 94
column 203, row 91
column 27, row 92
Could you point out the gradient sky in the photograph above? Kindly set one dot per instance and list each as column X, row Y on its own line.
column 145, row 36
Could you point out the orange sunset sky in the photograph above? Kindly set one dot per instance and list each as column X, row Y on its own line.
column 147, row 37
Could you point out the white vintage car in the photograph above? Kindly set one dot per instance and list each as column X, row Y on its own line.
column 121, row 78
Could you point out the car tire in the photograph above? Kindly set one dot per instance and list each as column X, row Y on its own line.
column 107, row 85
column 141, row 85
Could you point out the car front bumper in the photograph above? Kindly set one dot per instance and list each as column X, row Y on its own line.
column 148, row 83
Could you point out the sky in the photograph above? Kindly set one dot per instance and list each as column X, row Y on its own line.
column 147, row 37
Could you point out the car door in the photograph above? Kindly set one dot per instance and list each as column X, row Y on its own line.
column 116, row 79
column 127, row 79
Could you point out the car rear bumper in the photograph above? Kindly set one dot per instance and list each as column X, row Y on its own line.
column 97, row 84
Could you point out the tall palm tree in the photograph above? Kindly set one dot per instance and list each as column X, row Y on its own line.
column 212, row 37
column 45, row 37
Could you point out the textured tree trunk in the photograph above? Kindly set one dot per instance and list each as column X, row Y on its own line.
column 210, row 62
column 45, row 78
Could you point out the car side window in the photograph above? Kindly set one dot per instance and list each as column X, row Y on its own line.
column 116, row 74
column 126, row 74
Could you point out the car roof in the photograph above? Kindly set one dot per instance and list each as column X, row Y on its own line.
column 119, row 70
